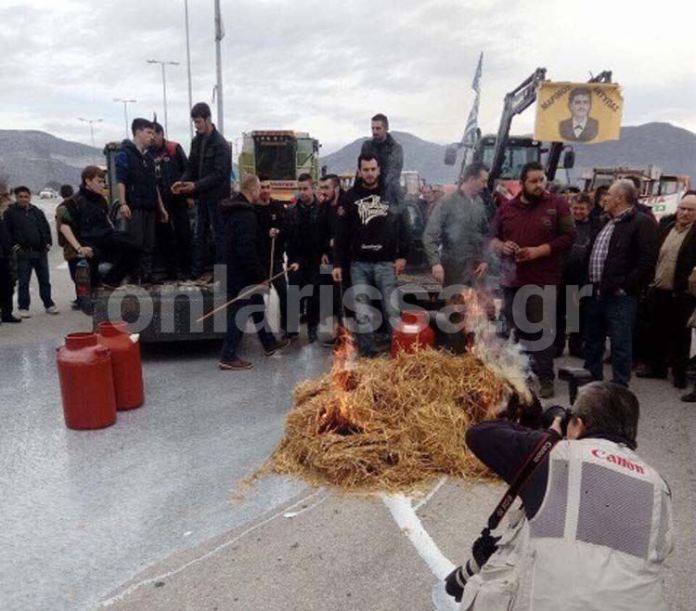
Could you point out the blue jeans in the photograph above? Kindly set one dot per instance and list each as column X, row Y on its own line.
column 613, row 316
column 26, row 262
column 382, row 277
column 235, row 329
column 207, row 218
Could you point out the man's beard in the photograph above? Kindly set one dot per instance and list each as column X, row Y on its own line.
column 532, row 197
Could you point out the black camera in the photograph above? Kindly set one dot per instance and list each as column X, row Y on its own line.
column 483, row 548
column 556, row 411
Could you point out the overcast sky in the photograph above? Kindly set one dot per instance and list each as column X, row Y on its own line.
column 327, row 66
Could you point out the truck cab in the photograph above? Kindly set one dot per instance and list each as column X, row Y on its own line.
column 282, row 155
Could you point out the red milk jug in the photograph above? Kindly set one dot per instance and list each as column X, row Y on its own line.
column 125, row 361
column 86, row 382
column 412, row 332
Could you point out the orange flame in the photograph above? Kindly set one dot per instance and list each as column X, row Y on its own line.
column 339, row 416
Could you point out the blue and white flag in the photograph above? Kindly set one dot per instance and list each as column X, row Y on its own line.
column 472, row 122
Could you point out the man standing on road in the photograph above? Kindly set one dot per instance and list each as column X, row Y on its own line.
column 530, row 233
column 244, row 270
column 175, row 236
column 456, row 235
column 597, row 521
column 69, row 253
column 621, row 264
column 138, row 194
column 207, row 179
column 330, row 194
column 389, row 153
column 308, row 244
column 271, row 219
column 373, row 237
column 669, row 302
column 31, row 240
column 574, row 275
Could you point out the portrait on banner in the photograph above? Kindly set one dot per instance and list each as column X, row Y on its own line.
column 578, row 112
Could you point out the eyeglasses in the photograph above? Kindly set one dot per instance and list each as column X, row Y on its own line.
column 683, row 209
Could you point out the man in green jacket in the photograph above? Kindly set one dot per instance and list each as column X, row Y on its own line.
column 456, row 235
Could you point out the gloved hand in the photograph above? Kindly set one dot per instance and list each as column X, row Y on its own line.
column 454, row 583
column 484, row 547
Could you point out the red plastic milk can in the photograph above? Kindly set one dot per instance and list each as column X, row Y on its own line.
column 412, row 332
column 125, row 361
column 86, row 382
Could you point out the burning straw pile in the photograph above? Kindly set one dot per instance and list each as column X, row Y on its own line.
column 388, row 425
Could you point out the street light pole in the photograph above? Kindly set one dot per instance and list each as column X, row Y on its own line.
column 219, row 35
column 91, row 127
column 125, row 111
column 188, row 66
column 164, row 87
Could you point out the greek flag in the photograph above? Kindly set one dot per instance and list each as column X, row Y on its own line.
column 472, row 122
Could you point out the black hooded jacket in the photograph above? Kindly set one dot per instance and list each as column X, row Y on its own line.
column 371, row 227
column 244, row 266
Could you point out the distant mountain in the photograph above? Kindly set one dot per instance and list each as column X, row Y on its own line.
column 670, row 148
column 37, row 159
column 421, row 155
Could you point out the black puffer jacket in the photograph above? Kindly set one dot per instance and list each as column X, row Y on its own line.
column 136, row 171
column 88, row 216
column 244, row 266
column 210, row 167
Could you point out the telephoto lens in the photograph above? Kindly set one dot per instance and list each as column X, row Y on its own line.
column 484, row 547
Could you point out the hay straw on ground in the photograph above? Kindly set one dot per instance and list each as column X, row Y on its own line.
column 411, row 414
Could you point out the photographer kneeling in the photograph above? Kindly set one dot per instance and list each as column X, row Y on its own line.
column 595, row 524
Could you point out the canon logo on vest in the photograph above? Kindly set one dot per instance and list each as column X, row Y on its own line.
column 618, row 460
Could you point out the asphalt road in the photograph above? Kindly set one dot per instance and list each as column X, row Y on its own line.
column 142, row 516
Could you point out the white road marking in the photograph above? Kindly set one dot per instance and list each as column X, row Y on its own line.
column 163, row 576
column 294, row 514
column 405, row 516
column 431, row 493
column 63, row 265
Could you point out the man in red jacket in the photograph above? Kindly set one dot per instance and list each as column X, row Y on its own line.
column 530, row 233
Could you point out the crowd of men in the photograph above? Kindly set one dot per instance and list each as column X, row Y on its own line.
column 568, row 267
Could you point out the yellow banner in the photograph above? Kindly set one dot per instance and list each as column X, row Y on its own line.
column 578, row 112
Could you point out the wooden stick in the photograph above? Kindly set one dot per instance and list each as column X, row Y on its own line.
column 270, row 270
column 242, row 295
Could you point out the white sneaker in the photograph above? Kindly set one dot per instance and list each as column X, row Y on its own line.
column 24, row 314
column 52, row 310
